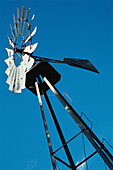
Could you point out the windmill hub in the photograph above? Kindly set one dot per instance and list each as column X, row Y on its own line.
column 17, row 50
column 17, row 56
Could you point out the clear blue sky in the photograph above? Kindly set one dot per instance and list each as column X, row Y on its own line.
column 66, row 28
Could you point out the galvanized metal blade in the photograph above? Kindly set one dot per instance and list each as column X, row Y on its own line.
column 18, row 14
column 21, row 76
column 31, row 35
column 15, row 24
column 28, row 62
column 26, row 19
column 9, row 69
column 29, row 25
column 12, row 30
column 29, row 49
column 10, row 75
column 10, row 42
column 10, row 52
column 12, row 80
column 85, row 64
column 13, row 33
column 23, row 9
column 15, row 80
column 16, row 87
column 9, row 60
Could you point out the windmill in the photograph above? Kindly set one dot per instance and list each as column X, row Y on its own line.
column 27, row 71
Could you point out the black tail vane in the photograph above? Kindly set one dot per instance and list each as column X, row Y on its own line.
column 80, row 63
column 85, row 64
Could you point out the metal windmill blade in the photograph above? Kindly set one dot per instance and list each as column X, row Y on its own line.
column 26, row 19
column 18, row 63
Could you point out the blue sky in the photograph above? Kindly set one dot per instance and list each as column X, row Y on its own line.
column 75, row 28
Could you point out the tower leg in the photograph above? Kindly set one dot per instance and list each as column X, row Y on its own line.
column 58, row 128
column 46, row 128
column 105, row 155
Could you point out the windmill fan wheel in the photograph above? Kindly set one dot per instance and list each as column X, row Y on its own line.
column 21, row 40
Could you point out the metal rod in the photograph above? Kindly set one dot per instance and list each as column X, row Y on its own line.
column 86, row 159
column 83, row 126
column 87, row 119
column 107, row 143
column 84, row 150
column 68, row 97
column 46, row 128
column 62, row 162
column 58, row 127
column 68, row 141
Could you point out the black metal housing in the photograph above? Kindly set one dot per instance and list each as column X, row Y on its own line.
column 45, row 70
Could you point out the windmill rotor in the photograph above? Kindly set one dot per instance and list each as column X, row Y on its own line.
column 19, row 63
